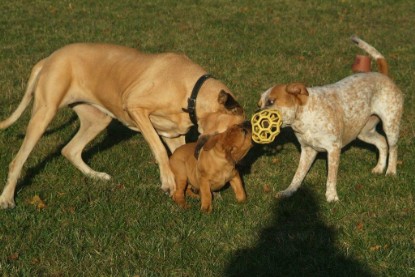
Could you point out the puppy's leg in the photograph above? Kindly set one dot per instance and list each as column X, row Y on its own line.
column 370, row 135
column 41, row 118
column 205, row 195
column 333, row 160
column 92, row 122
column 307, row 157
column 141, row 117
column 237, row 186
column 179, row 171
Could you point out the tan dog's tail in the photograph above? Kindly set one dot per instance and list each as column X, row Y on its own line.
column 27, row 97
column 375, row 54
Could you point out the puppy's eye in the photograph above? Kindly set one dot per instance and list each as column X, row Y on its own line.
column 270, row 102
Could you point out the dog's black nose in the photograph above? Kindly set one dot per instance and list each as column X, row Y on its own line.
column 246, row 124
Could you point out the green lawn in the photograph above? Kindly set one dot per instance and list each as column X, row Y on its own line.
column 128, row 227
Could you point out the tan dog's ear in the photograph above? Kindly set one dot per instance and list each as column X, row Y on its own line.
column 299, row 91
column 229, row 102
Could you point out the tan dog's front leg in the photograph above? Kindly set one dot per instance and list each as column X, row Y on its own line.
column 141, row 117
column 205, row 195
column 174, row 143
column 237, row 186
column 307, row 157
column 333, row 164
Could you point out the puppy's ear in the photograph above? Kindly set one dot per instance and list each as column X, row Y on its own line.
column 299, row 91
column 229, row 102
column 211, row 142
column 201, row 141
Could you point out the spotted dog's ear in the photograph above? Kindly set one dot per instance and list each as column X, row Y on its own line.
column 299, row 91
column 229, row 102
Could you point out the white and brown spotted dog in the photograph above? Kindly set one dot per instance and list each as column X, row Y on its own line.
column 150, row 93
column 329, row 117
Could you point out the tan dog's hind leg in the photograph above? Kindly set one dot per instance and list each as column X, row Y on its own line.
column 333, row 160
column 371, row 136
column 41, row 118
column 307, row 157
column 141, row 117
column 237, row 186
column 92, row 122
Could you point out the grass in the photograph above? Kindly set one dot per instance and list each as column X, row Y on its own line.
column 128, row 227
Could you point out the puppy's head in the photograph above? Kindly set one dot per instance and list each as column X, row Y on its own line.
column 234, row 143
column 224, row 111
column 285, row 98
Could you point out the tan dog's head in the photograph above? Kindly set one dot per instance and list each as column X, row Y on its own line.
column 234, row 143
column 286, row 99
column 219, row 113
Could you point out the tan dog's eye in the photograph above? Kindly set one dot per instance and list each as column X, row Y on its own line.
column 270, row 102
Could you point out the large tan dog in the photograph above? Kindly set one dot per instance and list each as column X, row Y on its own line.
column 150, row 93
column 210, row 163
column 329, row 117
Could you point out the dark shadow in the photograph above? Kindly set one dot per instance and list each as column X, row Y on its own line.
column 297, row 243
column 71, row 120
column 115, row 133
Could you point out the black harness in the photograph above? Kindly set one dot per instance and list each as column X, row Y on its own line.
column 191, row 101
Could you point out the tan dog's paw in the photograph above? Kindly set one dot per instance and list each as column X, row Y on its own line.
column 332, row 197
column 377, row 170
column 6, row 203
column 100, row 175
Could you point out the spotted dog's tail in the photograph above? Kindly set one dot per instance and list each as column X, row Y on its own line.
column 380, row 59
column 27, row 97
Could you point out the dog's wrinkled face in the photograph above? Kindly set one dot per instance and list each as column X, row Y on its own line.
column 229, row 113
column 286, row 99
column 235, row 142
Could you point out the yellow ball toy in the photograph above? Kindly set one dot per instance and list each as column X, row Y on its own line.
column 266, row 126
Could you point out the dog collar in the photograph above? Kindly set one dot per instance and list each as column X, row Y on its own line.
column 191, row 101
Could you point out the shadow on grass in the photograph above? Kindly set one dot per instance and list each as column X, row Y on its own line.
column 298, row 243
column 115, row 133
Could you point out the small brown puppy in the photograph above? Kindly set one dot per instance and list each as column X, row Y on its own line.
column 210, row 163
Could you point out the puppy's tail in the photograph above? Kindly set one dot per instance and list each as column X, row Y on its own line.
column 27, row 97
column 375, row 54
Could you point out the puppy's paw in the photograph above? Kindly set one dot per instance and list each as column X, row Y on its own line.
column 207, row 209
column 332, row 197
column 6, row 203
column 184, row 205
column 241, row 199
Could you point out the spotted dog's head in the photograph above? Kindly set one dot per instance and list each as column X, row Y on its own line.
column 286, row 99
